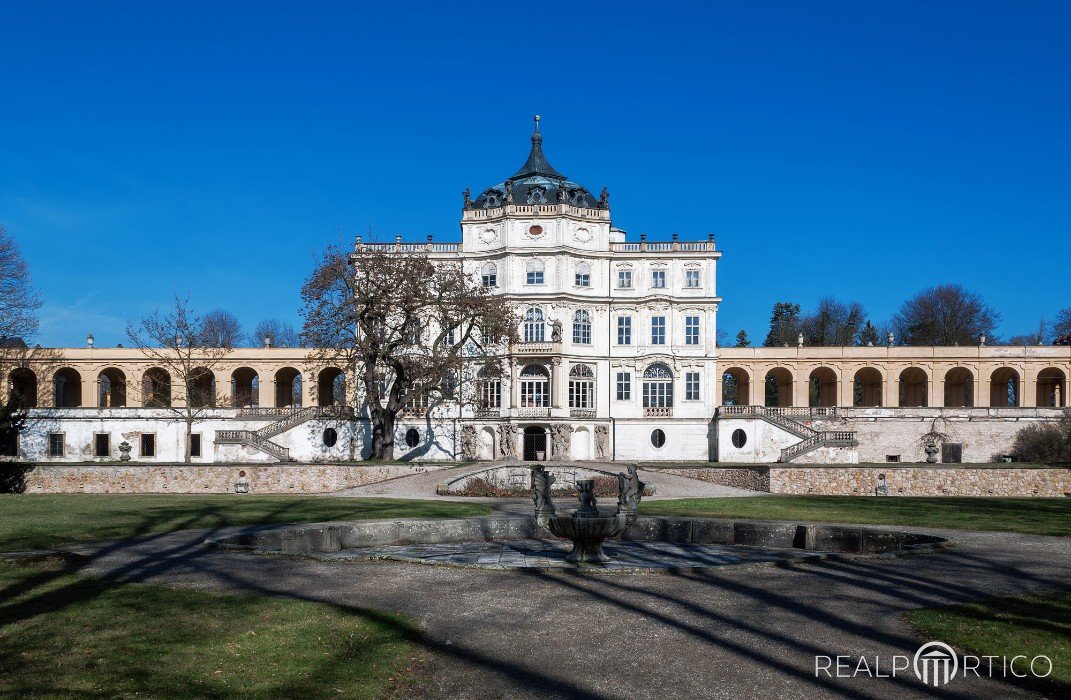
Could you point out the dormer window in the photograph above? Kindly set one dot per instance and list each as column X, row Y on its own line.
column 536, row 195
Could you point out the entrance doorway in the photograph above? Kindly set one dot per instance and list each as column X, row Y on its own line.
column 535, row 444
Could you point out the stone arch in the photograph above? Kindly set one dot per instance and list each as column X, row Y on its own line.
column 1004, row 388
column 1051, row 388
column 959, row 388
column 580, row 448
column 914, row 387
column 778, row 388
column 201, row 388
column 287, row 388
column 245, row 388
column 822, row 388
column 156, row 388
column 22, row 381
column 68, row 388
column 735, row 387
column 111, row 388
column 866, row 390
column 535, row 447
column 331, row 387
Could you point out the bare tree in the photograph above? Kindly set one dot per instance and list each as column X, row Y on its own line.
column 220, row 329
column 1061, row 325
column 279, row 334
column 946, row 314
column 413, row 329
column 18, row 298
column 183, row 380
column 833, row 323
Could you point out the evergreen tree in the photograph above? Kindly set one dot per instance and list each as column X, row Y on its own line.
column 784, row 325
column 869, row 335
column 742, row 341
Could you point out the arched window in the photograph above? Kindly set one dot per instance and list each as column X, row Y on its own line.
column 534, row 327
column 534, row 272
column 535, row 387
column 582, row 327
column 657, row 390
column 583, row 275
column 489, row 276
column 581, row 387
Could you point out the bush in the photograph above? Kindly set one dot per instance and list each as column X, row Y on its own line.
column 13, row 476
column 1044, row 442
column 605, row 487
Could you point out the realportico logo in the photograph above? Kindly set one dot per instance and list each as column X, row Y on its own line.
column 935, row 663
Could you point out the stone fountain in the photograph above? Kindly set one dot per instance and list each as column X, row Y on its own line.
column 587, row 528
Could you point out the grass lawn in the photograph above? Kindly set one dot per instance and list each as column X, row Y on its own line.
column 67, row 636
column 49, row 520
column 1031, row 625
column 1036, row 516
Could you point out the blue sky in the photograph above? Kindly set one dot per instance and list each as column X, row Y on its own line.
column 863, row 150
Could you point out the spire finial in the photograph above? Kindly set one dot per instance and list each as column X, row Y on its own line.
column 536, row 122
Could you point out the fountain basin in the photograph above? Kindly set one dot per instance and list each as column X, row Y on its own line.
column 587, row 535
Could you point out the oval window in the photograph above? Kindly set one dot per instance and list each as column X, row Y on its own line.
column 330, row 437
column 535, row 230
column 412, row 437
column 658, row 438
column 739, row 438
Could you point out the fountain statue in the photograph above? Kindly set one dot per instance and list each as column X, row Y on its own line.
column 587, row 528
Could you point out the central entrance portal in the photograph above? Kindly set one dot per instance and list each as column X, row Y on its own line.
column 535, row 444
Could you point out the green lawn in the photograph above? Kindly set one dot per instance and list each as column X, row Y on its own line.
column 1031, row 625
column 1037, row 516
column 68, row 636
column 44, row 521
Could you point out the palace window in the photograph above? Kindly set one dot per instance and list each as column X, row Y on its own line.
column 691, row 330
column 489, row 276
column 691, row 386
column 623, row 385
column 535, row 387
column 582, row 327
column 624, row 279
column 148, row 445
column 658, row 279
column 534, row 327
column 102, row 445
column 692, row 279
column 56, row 444
column 657, row 387
column 581, row 387
column 489, row 390
column 195, row 445
column 624, row 330
column 583, row 275
column 534, row 272
column 658, row 330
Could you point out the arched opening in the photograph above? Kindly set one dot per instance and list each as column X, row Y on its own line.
column 534, row 387
column 580, row 447
column 1004, row 388
column 866, row 390
column 535, row 443
column 582, row 327
column 657, row 391
column 959, row 388
column 156, row 388
column 534, row 327
column 22, row 387
column 735, row 387
column 822, row 388
column 914, row 389
column 68, row 384
column 1052, row 388
column 487, row 443
column 201, row 388
column 287, row 388
column 111, row 388
column 331, row 387
column 245, row 388
column 778, row 388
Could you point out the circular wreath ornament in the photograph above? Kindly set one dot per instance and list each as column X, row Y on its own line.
column 488, row 235
column 582, row 235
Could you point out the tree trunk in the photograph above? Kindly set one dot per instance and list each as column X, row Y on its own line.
column 189, row 438
column 383, row 435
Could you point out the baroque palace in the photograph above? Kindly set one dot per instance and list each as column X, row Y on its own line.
column 617, row 360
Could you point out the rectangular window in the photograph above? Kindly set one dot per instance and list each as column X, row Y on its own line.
column 148, row 444
column 624, row 330
column 581, row 394
column 658, row 279
column 535, row 277
column 491, row 394
column 658, row 330
column 691, row 279
column 195, row 445
column 102, row 445
column 56, row 445
column 691, row 330
column 691, row 386
column 624, row 386
column 583, row 279
column 624, row 279
column 535, row 393
column 490, row 278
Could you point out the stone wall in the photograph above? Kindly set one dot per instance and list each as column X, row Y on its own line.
column 750, row 478
column 922, row 481
column 214, row 478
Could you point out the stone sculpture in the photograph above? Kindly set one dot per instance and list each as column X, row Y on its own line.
column 467, row 194
column 470, row 446
column 541, row 485
column 560, row 435
column 602, row 442
column 505, row 440
column 586, row 493
column 630, row 492
column 556, row 331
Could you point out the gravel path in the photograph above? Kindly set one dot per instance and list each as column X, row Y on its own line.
column 737, row 632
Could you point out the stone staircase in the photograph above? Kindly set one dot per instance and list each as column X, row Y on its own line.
column 282, row 419
column 810, row 439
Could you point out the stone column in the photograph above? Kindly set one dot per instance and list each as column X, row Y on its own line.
column 90, row 390
column 801, row 387
column 846, row 380
column 224, row 395
column 890, row 387
column 266, row 379
column 134, row 378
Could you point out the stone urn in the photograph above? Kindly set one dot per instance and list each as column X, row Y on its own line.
column 931, row 453
column 587, row 528
column 124, row 451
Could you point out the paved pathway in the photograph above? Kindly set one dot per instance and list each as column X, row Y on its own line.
column 738, row 632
